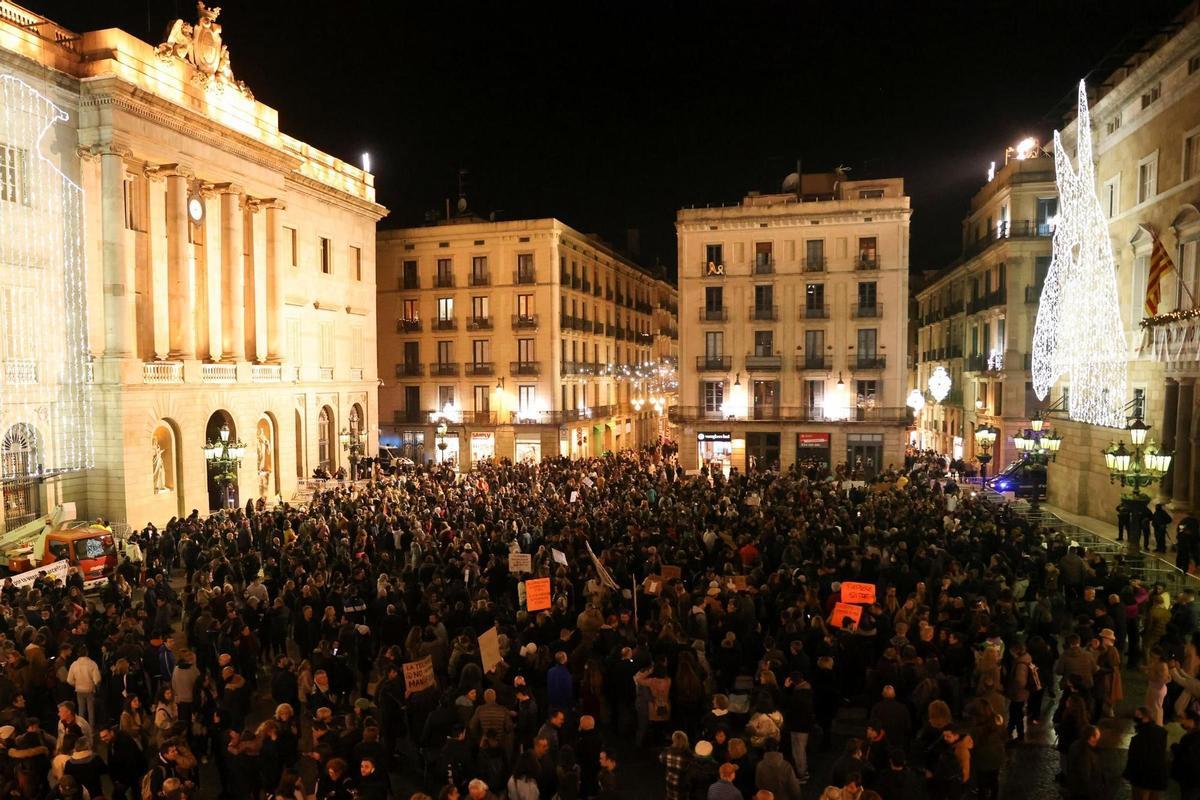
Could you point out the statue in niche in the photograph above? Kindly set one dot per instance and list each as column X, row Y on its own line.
column 264, row 462
column 158, row 467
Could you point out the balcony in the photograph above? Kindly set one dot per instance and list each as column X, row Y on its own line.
column 764, row 266
column 325, row 373
column 642, row 307
column 1033, row 294
column 565, row 279
column 610, row 330
column 814, row 311
column 576, row 282
column 596, row 290
column 580, row 368
column 598, row 328
column 525, row 368
column 479, row 323
column 759, row 313
column 409, row 370
column 524, row 322
column 586, row 286
column 720, row 314
column 815, row 264
column 155, row 371
column 630, row 334
column 608, row 294
column 479, row 279
column 410, row 416
column 410, row 283
column 1013, row 229
column 446, row 324
column 870, row 362
column 954, row 351
column 645, row 338
column 997, row 297
column 524, row 277
column 479, row 368
column 443, row 369
column 21, row 371
column 878, row 415
column 866, row 310
column 620, row 334
column 866, row 261
column 408, row 326
column 218, row 373
column 757, row 363
column 480, row 417
column 714, row 363
column 708, row 269
column 443, row 281
column 976, row 362
column 620, row 299
column 266, row 373
column 814, row 362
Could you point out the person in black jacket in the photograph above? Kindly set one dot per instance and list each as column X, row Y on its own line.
column 1185, row 757
column 1160, row 521
column 899, row 781
column 1146, row 767
column 798, row 719
column 126, row 761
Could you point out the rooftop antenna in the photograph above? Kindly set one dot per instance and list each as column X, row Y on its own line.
column 462, row 191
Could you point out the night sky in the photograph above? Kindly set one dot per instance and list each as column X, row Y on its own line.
column 612, row 115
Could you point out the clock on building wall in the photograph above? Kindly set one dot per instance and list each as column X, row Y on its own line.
column 195, row 208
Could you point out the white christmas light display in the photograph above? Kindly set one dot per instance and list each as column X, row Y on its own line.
column 939, row 384
column 916, row 400
column 46, row 380
column 1078, row 331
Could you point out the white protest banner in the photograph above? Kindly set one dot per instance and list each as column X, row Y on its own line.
column 489, row 649
column 418, row 675
column 56, row 570
column 559, row 556
column 520, row 562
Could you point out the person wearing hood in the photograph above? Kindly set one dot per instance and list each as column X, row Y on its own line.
column 87, row 768
column 1146, row 766
column 776, row 775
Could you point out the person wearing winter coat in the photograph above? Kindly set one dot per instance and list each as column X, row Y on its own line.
column 1084, row 772
column 1185, row 757
column 1017, row 689
column 701, row 772
column 776, row 775
column 1146, row 766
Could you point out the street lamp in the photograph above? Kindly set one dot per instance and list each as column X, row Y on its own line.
column 1135, row 469
column 440, row 432
column 985, row 437
column 352, row 443
column 1038, row 446
column 224, row 458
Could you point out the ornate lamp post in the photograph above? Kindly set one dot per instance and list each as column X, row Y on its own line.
column 1136, row 468
column 1039, row 446
column 352, row 443
column 440, row 431
column 985, row 437
column 224, row 458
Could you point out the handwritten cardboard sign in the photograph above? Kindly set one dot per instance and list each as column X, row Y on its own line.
column 842, row 611
column 858, row 592
column 489, row 649
column 652, row 585
column 537, row 594
column 520, row 562
column 559, row 556
column 670, row 573
column 738, row 582
column 418, row 675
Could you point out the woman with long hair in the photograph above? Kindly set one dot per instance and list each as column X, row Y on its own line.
column 688, row 690
column 166, row 714
column 135, row 721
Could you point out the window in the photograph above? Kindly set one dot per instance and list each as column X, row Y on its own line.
column 714, row 261
column 446, row 395
column 481, row 351
column 1149, row 97
column 525, row 351
column 814, row 253
column 524, row 267
column 326, row 256
column 866, row 295
column 714, row 344
column 289, row 235
column 483, row 399
column 326, row 344
column 814, row 296
column 713, row 393
column 1147, row 178
column 14, row 174
column 764, row 343
column 814, row 395
column 1047, row 210
column 479, row 307
column 1113, row 125
column 445, row 309
column 526, row 398
column 412, row 354
column 1137, row 300
column 135, row 201
column 1191, row 156
column 867, row 253
column 764, row 300
column 870, row 194
column 356, row 262
column 1041, row 267
column 1137, row 409
column 867, row 340
column 410, row 278
column 1110, row 196
column 445, row 272
column 445, row 351
column 479, row 270
column 814, row 349
column 525, row 306
column 866, row 391
column 411, row 310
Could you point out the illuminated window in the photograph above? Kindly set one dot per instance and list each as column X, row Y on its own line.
column 326, row 256
column 356, row 262
column 14, row 174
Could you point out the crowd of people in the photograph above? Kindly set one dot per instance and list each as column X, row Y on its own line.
column 694, row 647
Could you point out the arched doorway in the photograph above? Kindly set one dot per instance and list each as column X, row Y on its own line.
column 266, row 455
column 20, row 463
column 326, row 440
column 221, row 494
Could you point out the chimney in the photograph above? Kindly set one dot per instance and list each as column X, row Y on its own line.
column 633, row 243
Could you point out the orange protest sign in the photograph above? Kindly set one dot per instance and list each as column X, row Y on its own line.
column 858, row 592
column 671, row 573
column 739, row 583
column 537, row 594
column 842, row 611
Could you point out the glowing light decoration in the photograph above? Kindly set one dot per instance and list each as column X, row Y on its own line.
column 46, row 379
column 916, row 400
column 1078, row 330
column 939, row 384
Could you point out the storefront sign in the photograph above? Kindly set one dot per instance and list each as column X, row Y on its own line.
column 483, row 445
column 704, row 436
column 807, row 441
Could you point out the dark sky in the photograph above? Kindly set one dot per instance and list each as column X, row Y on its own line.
column 610, row 115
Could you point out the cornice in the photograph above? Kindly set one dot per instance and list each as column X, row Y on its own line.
column 342, row 199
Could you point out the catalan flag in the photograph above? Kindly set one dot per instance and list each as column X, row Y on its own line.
column 1160, row 265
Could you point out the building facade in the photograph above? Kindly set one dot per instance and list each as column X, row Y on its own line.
column 793, row 322
column 975, row 318
column 227, row 278
column 1146, row 147
column 514, row 340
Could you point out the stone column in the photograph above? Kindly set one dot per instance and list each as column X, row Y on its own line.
column 181, row 279
column 1170, row 411
column 253, row 242
column 276, row 263
column 159, row 287
column 233, row 309
column 118, row 269
column 1181, row 489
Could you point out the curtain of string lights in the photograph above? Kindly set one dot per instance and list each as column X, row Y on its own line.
column 45, row 384
column 1078, row 334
